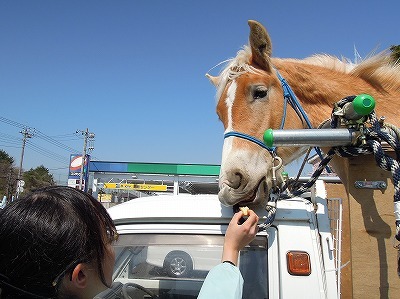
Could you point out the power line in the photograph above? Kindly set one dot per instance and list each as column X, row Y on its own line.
column 7, row 136
column 10, row 145
column 68, row 139
column 12, row 123
column 40, row 135
column 47, row 153
column 12, row 141
column 66, row 135
column 8, row 140
column 59, row 168
column 55, row 142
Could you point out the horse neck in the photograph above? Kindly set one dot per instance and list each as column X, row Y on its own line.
column 318, row 88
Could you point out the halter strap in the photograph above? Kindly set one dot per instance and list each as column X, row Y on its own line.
column 290, row 96
column 250, row 138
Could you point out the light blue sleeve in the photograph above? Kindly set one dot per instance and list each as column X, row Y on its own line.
column 224, row 281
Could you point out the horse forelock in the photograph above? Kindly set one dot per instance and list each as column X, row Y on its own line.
column 236, row 67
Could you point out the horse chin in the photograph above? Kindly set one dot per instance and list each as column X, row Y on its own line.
column 257, row 197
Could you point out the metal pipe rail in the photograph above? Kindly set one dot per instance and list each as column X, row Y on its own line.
column 310, row 137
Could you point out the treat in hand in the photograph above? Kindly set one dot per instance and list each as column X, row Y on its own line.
column 245, row 210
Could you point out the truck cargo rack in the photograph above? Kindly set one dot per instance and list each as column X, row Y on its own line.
column 335, row 212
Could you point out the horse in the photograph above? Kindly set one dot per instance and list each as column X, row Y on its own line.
column 250, row 100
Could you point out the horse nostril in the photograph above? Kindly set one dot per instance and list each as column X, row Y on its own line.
column 233, row 179
column 236, row 180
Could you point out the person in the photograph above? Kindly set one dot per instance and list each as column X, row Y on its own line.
column 225, row 281
column 57, row 243
column 3, row 202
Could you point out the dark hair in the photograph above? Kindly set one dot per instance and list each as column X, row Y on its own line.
column 45, row 235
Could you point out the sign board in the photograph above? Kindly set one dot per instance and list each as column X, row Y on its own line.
column 20, row 183
column 104, row 197
column 74, row 173
column 75, row 165
column 141, row 187
column 75, row 183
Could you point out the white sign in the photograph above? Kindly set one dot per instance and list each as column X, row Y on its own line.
column 20, row 183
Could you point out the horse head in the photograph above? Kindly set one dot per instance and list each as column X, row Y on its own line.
column 249, row 100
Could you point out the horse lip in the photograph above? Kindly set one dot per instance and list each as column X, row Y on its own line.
column 254, row 195
column 230, row 196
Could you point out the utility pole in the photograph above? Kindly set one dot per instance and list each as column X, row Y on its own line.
column 87, row 137
column 26, row 134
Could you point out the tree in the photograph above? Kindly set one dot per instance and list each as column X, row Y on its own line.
column 8, row 174
column 395, row 53
column 37, row 178
column 4, row 157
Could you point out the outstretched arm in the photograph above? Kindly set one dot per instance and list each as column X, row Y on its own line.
column 225, row 280
column 239, row 235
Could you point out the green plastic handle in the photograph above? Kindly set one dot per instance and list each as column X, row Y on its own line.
column 363, row 104
column 269, row 138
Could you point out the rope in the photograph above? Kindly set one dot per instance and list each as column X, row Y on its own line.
column 374, row 136
column 314, row 177
column 290, row 97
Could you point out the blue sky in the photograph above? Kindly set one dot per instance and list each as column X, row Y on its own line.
column 133, row 71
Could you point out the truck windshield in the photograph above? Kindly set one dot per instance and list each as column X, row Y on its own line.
column 175, row 266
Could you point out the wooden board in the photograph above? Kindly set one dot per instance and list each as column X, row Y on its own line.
column 368, row 231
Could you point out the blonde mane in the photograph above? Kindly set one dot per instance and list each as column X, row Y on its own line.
column 378, row 70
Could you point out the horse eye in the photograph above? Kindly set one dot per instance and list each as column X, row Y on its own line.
column 260, row 93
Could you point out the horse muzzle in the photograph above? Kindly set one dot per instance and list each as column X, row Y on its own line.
column 229, row 196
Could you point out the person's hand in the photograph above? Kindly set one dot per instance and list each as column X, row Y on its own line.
column 239, row 235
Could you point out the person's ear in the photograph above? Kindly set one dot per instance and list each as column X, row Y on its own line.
column 79, row 276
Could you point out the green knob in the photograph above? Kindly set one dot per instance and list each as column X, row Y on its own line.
column 363, row 104
column 268, row 138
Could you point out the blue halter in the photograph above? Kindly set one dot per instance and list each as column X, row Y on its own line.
column 272, row 150
column 288, row 97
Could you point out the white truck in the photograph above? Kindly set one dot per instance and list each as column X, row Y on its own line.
column 168, row 243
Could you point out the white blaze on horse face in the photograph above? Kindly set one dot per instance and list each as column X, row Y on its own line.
column 229, row 100
column 241, row 173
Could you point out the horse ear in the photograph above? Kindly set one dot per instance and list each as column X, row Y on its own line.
column 213, row 80
column 260, row 44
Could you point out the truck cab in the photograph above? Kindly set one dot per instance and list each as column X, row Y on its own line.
column 168, row 243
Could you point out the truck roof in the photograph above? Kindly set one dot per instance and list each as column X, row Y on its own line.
column 201, row 208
